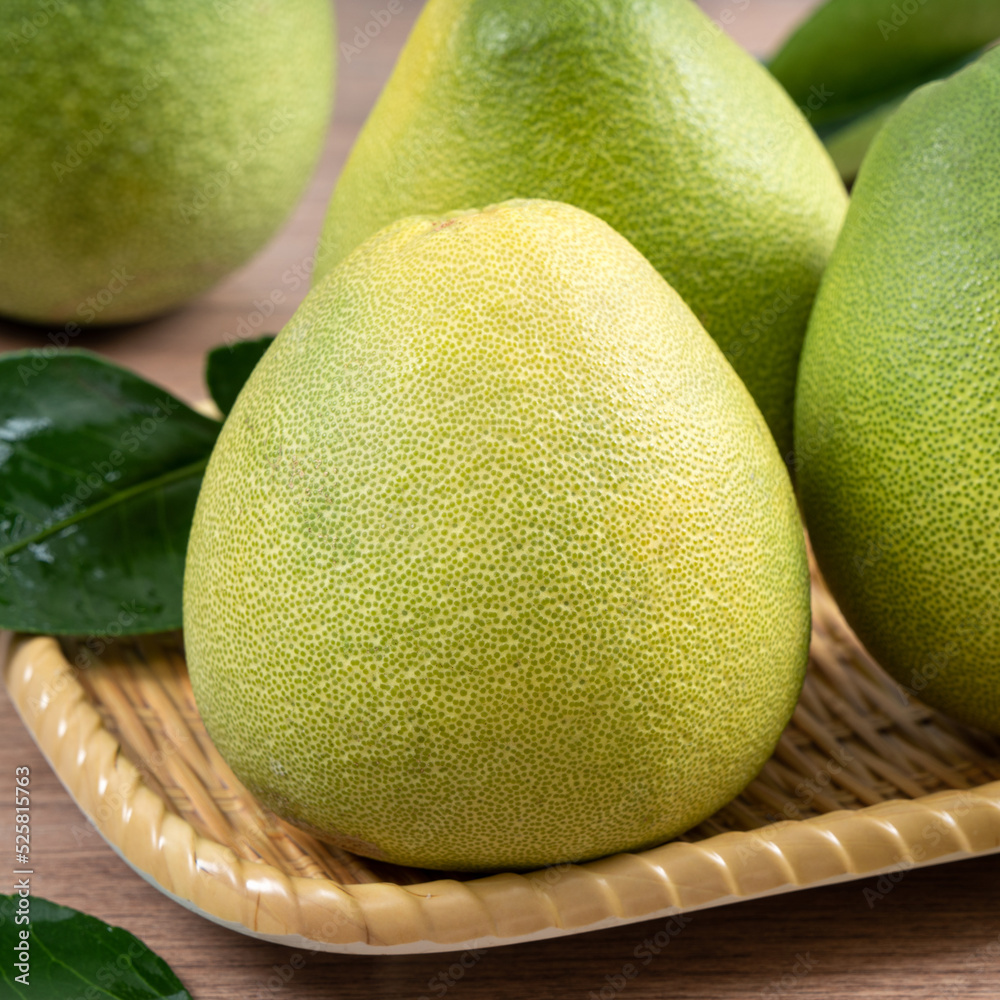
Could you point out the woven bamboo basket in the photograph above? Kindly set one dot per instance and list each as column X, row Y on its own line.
column 865, row 781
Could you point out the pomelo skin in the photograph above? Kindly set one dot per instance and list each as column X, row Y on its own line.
column 495, row 564
column 868, row 52
column 898, row 408
column 150, row 147
column 642, row 112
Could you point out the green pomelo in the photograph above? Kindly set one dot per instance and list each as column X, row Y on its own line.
column 847, row 146
column 898, row 408
column 641, row 112
column 496, row 564
column 150, row 146
column 863, row 53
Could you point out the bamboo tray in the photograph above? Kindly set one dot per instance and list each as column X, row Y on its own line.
column 865, row 782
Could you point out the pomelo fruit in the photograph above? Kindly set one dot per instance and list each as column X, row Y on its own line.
column 865, row 56
column 150, row 148
column 496, row 564
column 898, row 409
column 640, row 111
column 863, row 53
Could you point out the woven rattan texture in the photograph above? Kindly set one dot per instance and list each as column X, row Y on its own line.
column 865, row 780
column 857, row 738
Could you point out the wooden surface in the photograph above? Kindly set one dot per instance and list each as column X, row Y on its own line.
column 934, row 934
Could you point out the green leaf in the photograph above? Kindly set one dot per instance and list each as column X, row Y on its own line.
column 227, row 369
column 70, row 954
column 99, row 474
column 851, row 56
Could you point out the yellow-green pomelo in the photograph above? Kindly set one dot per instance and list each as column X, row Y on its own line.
column 150, row 146
column 640, row 111
column 898, row 408
column 496, row 564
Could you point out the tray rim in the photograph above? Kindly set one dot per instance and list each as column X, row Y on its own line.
column 448, row 915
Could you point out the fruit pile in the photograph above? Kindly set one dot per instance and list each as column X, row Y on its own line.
column 499, row 559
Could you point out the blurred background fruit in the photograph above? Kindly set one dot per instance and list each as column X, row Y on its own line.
column 867, row 55
column 150, row 147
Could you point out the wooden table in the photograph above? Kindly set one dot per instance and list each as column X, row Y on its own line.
column 935, row 935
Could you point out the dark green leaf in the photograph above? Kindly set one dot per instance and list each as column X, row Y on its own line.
column 72, row 955
column 851, row 56
column 99, row 474
column 227, row 369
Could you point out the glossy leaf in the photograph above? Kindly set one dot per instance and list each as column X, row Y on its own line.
column 99, row 474
column 227, row 368
column 70, row 954
column 851, row 56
